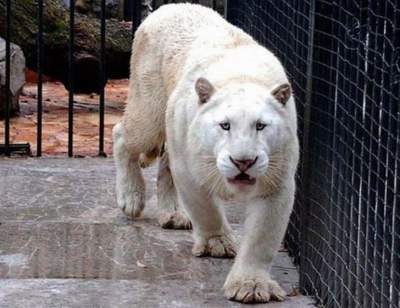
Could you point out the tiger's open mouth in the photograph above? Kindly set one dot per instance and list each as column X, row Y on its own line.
column 242, row 179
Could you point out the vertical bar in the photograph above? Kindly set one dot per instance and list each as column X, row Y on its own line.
column 349, row 158
column 136, row 15
column 102, row 77
column 373, row 133
column 395, row 85
column 338, row 183
column 356, row 114
column 40, row 79
column 305, row 168
column 228, row 11
column 335, row 183
column 363, row 157
column 381, row 180
column 395, row 255
column 345, row 105
column 71, row 77
column 8, row 72
column 389, row 109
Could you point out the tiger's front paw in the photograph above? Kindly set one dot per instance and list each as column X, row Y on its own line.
column 249, row 289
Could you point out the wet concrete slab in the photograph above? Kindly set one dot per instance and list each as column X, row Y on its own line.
column 64, row 243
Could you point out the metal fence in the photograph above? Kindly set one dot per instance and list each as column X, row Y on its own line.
column 7, row 148
column 134, row 10
column 343, row 59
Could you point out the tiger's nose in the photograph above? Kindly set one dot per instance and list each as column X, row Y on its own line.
column 243, row 164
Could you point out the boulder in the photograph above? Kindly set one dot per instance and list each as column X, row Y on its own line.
column 17, row 77
column 114, row 8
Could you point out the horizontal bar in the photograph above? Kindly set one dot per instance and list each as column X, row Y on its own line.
column 18, row 148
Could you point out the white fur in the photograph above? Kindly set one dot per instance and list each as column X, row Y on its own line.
column 174, row 47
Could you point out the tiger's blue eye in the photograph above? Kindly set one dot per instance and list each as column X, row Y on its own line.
column 260, row 126
column 225, row 126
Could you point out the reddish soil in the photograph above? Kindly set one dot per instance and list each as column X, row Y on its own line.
column 55, row 118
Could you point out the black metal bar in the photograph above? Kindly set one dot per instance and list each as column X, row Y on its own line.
column 363, row 167
column 389, row 165
column 372, row 133
column 231, row 9
column 356, row 115
column 395, row 256
column 339, row 191
column 330, row 73
column 71, row 77
column 227, row 11
column 395, row 163
column 136, row 13
column 377, row 8
column 40, row 79
column 306, row 171
column 102, row 77
column 8, row 72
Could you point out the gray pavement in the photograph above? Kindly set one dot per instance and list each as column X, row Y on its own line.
column 64, row 243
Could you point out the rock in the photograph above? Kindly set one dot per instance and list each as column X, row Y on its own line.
column 17, row 77
column 114, row 8
column 66, row 3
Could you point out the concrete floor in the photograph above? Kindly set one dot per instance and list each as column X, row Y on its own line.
column 64, row 243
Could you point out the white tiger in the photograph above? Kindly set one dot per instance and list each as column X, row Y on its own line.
column 224, row 107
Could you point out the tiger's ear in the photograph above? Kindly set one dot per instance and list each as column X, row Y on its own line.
column 282, row 93
column 204, row 90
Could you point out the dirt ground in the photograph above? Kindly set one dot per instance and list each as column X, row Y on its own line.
column 55, row 119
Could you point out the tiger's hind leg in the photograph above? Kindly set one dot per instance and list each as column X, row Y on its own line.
column 171, row 214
